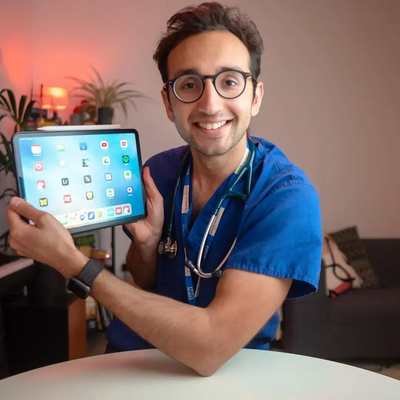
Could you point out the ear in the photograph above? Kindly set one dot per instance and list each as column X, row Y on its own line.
column 259, row 93
column 167, row 105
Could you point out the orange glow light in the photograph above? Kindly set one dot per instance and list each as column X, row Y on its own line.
column 54, row 98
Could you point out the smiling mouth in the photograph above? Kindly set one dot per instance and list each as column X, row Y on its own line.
column 212, row 126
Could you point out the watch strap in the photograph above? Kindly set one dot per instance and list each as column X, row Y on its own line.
column 90, row 272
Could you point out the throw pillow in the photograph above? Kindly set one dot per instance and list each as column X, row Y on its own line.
column 349, row 242
column 339, row 275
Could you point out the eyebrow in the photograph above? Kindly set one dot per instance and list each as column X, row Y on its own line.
column 188, row 71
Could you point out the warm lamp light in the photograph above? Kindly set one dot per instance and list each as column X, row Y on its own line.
column 54, row 98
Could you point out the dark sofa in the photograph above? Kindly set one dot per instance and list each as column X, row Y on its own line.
column 358, row 324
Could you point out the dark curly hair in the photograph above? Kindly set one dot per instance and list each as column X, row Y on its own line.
column 205, row 18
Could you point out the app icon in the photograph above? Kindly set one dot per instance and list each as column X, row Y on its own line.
column 67, row 198
column 60, row 148
column 87, row 179
column 64, row 181
column 36, row 149
column 124, row 143
column 127, row 209
column 83, row 146
column 85, row 162
column 104, row 144
column 43, row 202
column 110, row 192
column 89, row 195
column 73, row 218
column 128, row 174
column 40, row 185
column 129, row 189
column 118, row 210
column 106, row 160
column 125, row 159
column 110, row 212
column 91, row 215
column 100, row 214
column 63, row 220
column 38, row 166
column 82, row 217
column 108, row 177
column 62, row 163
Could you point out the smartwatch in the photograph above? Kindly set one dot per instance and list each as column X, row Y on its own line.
column 82, row 284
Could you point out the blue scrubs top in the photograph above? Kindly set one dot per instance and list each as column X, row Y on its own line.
column 278, row 234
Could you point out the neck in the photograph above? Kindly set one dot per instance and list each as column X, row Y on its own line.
column 210, row 172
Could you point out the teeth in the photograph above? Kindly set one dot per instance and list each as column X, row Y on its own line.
column 212, row 126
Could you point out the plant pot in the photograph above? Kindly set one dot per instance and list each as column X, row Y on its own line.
column 104, row 115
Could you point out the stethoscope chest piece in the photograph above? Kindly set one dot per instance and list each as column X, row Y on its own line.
column 168, row 247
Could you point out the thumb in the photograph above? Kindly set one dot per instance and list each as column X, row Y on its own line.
column 25, row 209
column 151, row 188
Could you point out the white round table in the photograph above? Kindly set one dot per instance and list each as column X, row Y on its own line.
column 149, row 374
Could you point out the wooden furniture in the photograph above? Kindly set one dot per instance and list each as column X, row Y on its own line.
column 40, row 334
column 250, row 374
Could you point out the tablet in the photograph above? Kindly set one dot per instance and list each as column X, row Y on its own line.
column 86, row 179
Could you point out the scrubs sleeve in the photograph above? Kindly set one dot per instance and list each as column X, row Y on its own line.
column 281, row 236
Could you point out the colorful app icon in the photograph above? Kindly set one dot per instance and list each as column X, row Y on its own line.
column 82, row 217
column 118, row 210
column 62, row 163
column 89, row 195
column 106, row 160
column 36, row 149
column 60, row 148
column 125, row 159
column 83, row 146
column 63, row 220
column 110, row 192
column 104, row 144
column 127, row 209
column 110, row 212
column 43, row 202
column 108, row 176
column 129, row 189
column 40, row 185
column 87, row 179
column 91, row 215
column 64, row 181
column 38, row 166
column 124, row 143
column 100, row 214
column 67, row 198
column 128, row 174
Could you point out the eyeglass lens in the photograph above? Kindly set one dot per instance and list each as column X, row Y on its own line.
column 229, row 84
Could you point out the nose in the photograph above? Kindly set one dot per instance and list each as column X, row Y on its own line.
column 210, row 102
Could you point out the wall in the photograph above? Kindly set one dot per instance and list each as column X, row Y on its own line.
column 15, row 69
column 330, row 70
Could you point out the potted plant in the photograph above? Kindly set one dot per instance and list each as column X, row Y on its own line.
column 19, row 114
column 105, row 96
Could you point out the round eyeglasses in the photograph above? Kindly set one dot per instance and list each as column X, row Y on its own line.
column 189, row 88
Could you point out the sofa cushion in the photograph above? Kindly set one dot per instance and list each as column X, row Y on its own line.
column 349, row 242
column 366, row 306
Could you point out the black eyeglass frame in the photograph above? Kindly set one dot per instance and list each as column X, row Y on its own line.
column 245, row 75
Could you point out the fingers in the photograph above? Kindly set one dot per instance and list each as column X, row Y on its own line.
column 25, row 209
column 14, row 220
column 151, row 188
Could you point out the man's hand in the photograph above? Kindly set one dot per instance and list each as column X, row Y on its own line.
column 47, row 241
column 148, row 231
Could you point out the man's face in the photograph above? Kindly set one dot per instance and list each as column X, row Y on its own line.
column 207, row 54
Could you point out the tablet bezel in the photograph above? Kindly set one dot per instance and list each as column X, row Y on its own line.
column 95, row 226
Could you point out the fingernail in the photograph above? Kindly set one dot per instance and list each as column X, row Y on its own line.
column 15, row 201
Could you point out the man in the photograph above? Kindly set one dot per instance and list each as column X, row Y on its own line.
column 209, row 60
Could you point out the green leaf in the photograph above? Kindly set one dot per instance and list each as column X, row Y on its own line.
column 12, row 102
column 21, row 108
column 27, row 114
column 4, row 103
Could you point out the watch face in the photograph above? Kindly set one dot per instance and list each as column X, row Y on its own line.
column 79, row 288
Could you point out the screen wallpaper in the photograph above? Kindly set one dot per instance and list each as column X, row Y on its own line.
column 82, row 179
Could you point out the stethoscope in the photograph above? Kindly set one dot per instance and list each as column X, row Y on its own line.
column 170, row 246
